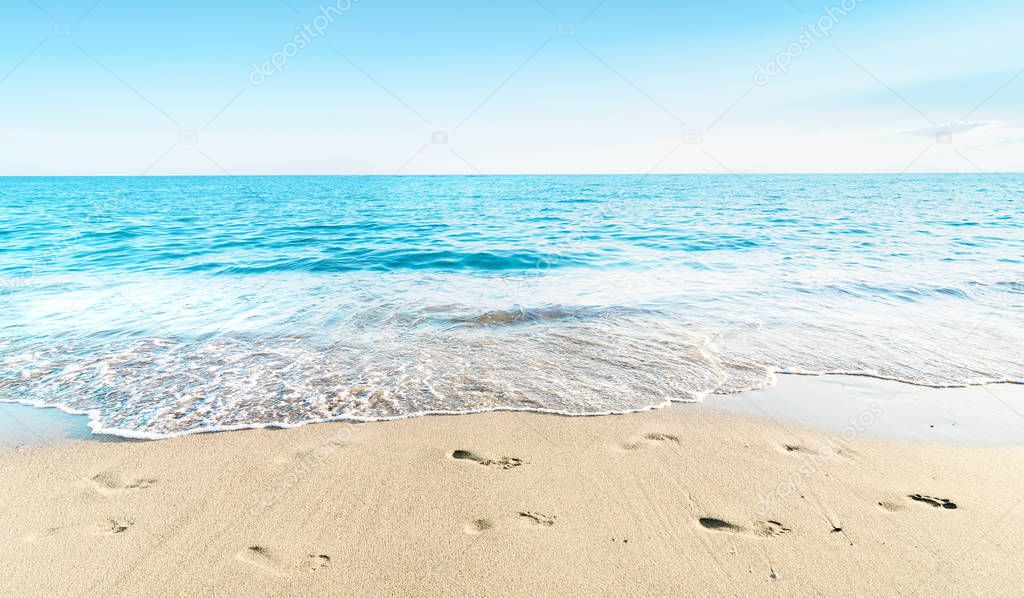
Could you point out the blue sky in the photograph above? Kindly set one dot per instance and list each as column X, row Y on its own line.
column 509, row 86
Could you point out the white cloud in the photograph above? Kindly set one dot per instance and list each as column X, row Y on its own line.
column 974, row 134
column 954, row 128
column 20, row 134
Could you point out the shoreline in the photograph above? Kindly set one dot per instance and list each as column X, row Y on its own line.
column 793, row 399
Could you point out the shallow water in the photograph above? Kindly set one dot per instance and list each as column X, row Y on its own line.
column 164, row 306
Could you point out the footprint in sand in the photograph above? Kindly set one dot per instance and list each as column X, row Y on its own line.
column 261, row 557
column 650, row 439
column 719, row 525
column 526, row 518
column 109, row 482
column 312, row 454
column 763, row 529
column 112, row 526
column 824, row 452
column 938, row 503
column 42, row 534
column 268, row 560
column 536, row 519
column 316, row 562
column 478, row 526
column 769, row 528
column 115, row 526
column 499, row 463
column 892, row 507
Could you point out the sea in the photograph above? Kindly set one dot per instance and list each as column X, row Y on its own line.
column 163, row 306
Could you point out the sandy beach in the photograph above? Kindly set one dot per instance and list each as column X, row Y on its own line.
column 553, row 298
column 680, row 501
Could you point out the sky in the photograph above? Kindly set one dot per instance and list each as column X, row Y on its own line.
column 123, row 87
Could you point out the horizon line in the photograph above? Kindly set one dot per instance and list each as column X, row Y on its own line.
column 507, row 174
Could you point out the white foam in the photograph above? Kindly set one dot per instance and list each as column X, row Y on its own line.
column 214, row 354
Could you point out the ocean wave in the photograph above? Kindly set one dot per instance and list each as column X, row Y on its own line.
column 170, row 306
column 389, row 260
column 552, row 359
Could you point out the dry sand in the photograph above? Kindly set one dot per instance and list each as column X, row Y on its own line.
column 680, row 501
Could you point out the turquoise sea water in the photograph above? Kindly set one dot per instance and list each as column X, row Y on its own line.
column 163, row 306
